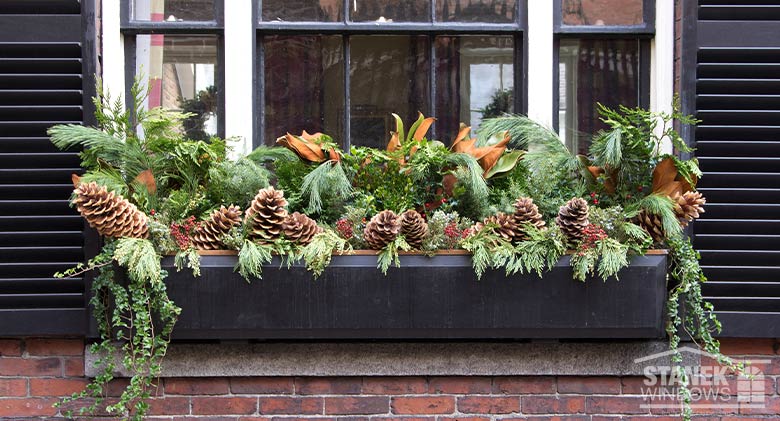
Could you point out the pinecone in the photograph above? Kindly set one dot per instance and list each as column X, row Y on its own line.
column 507, row 228
column 382, row 229
column 653, row 224
column 109, row 213
column 413, row 228
column 299, row 228
column 266, row 214
column 573, row 218
column 689, row 206
column 208, row 235
column 526, row 212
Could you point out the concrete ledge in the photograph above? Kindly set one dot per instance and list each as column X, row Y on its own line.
column 408, row 359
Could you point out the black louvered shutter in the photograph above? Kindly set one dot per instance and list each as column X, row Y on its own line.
column 42, row 83
column 738, row 144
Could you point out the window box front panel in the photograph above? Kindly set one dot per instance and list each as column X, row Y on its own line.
column 426, row 298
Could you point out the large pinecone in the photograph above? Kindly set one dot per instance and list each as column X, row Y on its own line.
column 382, row 229
column 573, row 218
column 109, row 213
column 413, row 228
column 653, row 224
column 526, row 212
column 208, row 235
column 689, row 206
column 266, row 214
column 299, row 228
column 507, row 228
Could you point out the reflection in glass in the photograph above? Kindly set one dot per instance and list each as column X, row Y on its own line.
column 173, row 10
column 387, row 74
column 181, row 70
column 303, row 10
column 390, row 10
column 594, row 71
column 475, row 80
column 494, row 11
column 304, row 85
column 602, row 12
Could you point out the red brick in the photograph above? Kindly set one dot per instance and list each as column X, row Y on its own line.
column 634, row 385
column 13, row 387
column 753, row 346
column 291, row 406
column 396, row 418
column 196, row 386
column 357, row 405
column 224, row 406
column 169, row 406
column 317, row 418
column 616, row 405
column 553, row 405
column 771, row 406
column 73, row 367
column 394, row 385
column 262, row 385
column 550, row 418
column 488, row 405
column 464, row 418
column 30, row 367
column 423, row 405
column 328, row 386
column 56, row 387
column 254, row 419
column 54, row 347
column 10, row 348
column 610, row 418
column 589, row 385
column 524, row 385
column 461, row 385
column 27, row 407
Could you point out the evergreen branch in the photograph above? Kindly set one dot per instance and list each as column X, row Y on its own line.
column 471, row 177
column 663, row 206
column 328, row 178
column 319, row 252
column 140, row 258
column 251, row 258
column 540, row 252
column 389, row 254
column 67, row 136
column 263, row 154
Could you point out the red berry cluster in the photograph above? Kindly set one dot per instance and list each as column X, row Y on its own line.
column 594, row 197
column 345, row 228
column 592, row 234
column 452, row 232
column 181, row 233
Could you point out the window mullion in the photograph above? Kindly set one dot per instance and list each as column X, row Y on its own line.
column 347, row 141
column 432, row 84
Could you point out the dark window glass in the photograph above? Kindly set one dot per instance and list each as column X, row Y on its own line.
column 494, row 11
column 302, row 10
column 173, row 10
column 474, row 80
column 390, row 10
column 387, row 74
column 182, row 70
column 304, row 85
column 594, row 71
column 602, row 12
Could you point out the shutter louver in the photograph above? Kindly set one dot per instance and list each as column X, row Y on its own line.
column 738, row 145
column 41, row 84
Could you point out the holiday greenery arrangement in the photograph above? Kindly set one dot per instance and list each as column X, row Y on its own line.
column 513, row 196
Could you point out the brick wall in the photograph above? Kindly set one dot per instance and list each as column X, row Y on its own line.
column 35, row 372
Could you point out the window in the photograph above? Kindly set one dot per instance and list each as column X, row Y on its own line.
column 342, row 67
column 176, row 45
column 603, row 56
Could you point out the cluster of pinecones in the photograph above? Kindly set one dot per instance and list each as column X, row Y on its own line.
column 267, row 219
column 687, row 206
column 385, row 227
column 511, row 227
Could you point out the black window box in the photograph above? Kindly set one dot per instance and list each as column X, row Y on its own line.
column 426, row 298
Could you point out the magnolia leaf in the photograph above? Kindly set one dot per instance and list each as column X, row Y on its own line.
column 423, row 128
column 146, row 178
column 305, row 150
column 413, row 127
column 399, row 127
column 75, row 179
column 664, row 173
column 506, row 163
column 460, row 144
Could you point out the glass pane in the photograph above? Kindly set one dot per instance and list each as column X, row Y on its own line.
column 594, row 71
column 303, row 10
column 602, row 12
column 182, row 70
column 390, row 10
column 173, row 10
column 494, row 11
column 304, row 86
column 475, row 80
column 388, row 74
